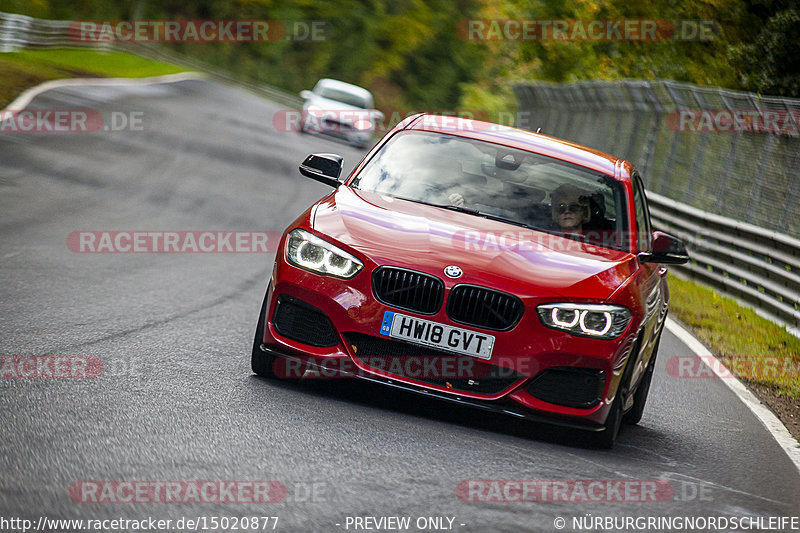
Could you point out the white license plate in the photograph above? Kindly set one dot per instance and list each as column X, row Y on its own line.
column 436, row 335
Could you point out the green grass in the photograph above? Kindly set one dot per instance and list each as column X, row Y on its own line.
column 27, row 68
column 752, row 347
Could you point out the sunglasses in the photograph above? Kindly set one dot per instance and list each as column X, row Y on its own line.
column 572, row 208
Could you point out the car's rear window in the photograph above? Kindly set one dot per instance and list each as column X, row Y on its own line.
column 518, row 186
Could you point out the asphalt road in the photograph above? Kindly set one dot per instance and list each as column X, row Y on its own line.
column 176, row 400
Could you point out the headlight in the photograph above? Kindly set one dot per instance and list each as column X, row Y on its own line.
column 312, row 253
column 586, row 320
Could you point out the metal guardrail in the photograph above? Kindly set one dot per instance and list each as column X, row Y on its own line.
column 694, row 179
column 731, row 171
column 18, row 32
column 758, row 267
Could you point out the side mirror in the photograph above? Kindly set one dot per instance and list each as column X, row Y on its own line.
column 324, row 168
column 666, row 249
column 305, row 95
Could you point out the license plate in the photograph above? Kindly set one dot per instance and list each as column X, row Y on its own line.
column 436, row 335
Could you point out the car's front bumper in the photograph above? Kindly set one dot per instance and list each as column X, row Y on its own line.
column 527, row 351
column 312, row 365
column 339, row 129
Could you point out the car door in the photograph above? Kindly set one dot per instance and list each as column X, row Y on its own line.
column 653, row 281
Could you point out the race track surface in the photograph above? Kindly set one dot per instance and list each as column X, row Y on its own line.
column 176, row 400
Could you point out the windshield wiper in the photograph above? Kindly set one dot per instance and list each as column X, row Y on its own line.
column 483, row 214
column 475, row 212
column 460, row 209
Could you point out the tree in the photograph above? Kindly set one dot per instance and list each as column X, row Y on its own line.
column 771, row 65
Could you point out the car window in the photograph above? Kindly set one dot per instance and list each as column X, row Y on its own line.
column 642, row 216
column 515, row 185
column 344, row 97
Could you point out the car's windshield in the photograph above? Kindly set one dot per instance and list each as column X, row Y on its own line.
column 517, row 186
column 344, row 97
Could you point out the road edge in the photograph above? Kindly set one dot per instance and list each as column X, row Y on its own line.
column 25, row 98
column 773, row 424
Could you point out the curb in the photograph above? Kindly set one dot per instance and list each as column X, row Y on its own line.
column 773, row 424
column 22, row 101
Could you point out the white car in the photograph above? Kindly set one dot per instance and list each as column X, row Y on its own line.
column 340, row 109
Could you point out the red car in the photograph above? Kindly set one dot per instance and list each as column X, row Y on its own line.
column 480, row 264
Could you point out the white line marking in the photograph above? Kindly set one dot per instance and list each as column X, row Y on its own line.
column 762, row 412
column 22, row 101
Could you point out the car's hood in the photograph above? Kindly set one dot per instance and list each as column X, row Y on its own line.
column 391, row 231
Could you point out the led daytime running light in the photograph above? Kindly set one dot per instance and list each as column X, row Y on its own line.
column 591, row 331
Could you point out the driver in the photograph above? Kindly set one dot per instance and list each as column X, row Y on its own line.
column 570, row 208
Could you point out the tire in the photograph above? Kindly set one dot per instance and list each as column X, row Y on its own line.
column 606, row 438
column 634, row 415
column 262, row 362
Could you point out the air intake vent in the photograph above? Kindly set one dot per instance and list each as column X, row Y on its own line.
column 571, row 387
column 484, row 308
column 302, row 322
column 420, row 363
column 407, row 289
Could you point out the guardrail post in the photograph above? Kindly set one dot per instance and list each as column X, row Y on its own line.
column 700, row 151
column 677, row 103
column 791, row 197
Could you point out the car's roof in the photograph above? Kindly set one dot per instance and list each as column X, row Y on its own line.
column 344, row 86
column 521, row 139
